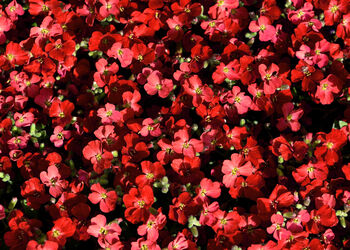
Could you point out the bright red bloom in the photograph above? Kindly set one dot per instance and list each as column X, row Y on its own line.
column 186, row 146
column 100, row 158
column 124, row 55
column 137, row 203
column 62, row 111
column 156, row 84
column 63, row 229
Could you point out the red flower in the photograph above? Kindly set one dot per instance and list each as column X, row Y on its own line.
column 264, row 27
column 137, row 203
column 291, row 117
column 186, row 146
column 226, row 222
column 156, row 84
column 63, row 229
column 100, row 158
column 62, row 111
column 235, row 167
column 107, row 200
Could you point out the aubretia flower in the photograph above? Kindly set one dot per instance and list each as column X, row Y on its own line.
column 2, row 212
column 124, row 55
column 108, row 114
column 328, row 88
column 186, row 146
column 103, row 231
column 291, row 117
column 156, row 84
column 106, row 199
column 150, row 128
column 180, row 243
column 264, row 27
column 59, row 134
column 52, row 179
column 63, row 229
column 137, row 203
column 152, row 227
column 235, row 167
column 23, row 120
column 100, row 158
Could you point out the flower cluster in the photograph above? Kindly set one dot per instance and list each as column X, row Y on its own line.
column 174, row 124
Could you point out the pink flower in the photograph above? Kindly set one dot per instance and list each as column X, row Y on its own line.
column 5, row 25
column 305, row 53
column 104, row 232
column 152, row 227
column 270, row 78
column 320, row 58
column 106, row 199
column 291, row 117
column 277, row 221
column 264, row 27
column 208, row 188
column 124, row 55
column 59, row 135
column 2, row 212
column 239, row 100
column 150, row 128
column 328, row 88
column 235, row 167
column 179, row 243
column 52, row 179
column 23, row 120
column 109, row 114
column 155, row 84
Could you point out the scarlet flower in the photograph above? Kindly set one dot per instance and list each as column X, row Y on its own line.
column 62, row 111
column 270, row 78
column 235, row 167
column 331, row 144
column 186, row 146
column 226, row 222
column 152, row 172
column 15, row 55
column 63, row 229
column 311, row 171
column 107, row 200
column 183, row 207
column 291, row 117
column 239, row 100
column 100, row 158
column 105, row 73
column 59, row 50
column 137, row 203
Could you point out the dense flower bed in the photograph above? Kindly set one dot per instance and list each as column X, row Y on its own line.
column 168, row 124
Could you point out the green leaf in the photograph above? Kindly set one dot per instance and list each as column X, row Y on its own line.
column 194, row 231
column 192, row 221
